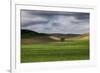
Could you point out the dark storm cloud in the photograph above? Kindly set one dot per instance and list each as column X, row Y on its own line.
column 47, row 13
column 55, row 24
column 34, row 23
column 54, row 21
column 82, row 16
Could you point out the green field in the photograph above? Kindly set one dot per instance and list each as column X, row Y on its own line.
column 55, row 51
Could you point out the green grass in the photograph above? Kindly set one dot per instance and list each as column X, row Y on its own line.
column 55, row 51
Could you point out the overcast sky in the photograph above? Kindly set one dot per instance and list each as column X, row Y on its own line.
column 55, row 22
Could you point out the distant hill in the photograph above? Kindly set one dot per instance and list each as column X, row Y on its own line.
column 29, row 34
column 84, row 36
column 29, row 37
column 66, row 35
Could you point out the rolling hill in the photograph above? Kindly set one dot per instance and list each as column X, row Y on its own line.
column 29, row 37
column 85, row 36
column 30, row 34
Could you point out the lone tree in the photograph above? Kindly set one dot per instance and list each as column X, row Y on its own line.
column 62, row 39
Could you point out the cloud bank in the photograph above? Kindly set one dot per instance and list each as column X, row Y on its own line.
column 55, row 22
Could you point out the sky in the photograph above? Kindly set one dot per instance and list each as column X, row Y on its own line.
column 55, row 21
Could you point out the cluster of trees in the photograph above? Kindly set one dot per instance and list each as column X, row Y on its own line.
column 62, row 39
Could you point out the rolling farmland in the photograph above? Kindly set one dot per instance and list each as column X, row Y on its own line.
column 47, row 49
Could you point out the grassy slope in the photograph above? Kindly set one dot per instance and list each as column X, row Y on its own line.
column 57, row 51
column 30, row 34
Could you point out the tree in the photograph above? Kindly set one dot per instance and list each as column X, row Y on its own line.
column 62, row 39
